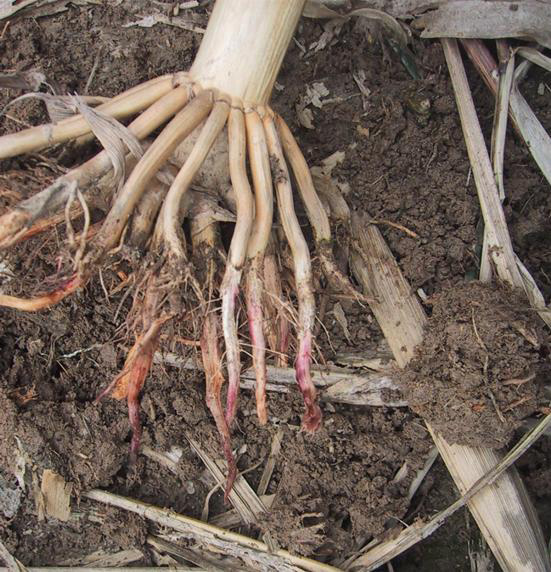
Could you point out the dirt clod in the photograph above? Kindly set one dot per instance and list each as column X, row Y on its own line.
column 479, row 370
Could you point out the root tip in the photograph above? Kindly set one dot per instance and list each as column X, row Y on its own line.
column 311, row 421
column 232, row 475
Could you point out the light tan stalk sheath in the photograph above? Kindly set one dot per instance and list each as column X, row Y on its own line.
column 26, row 213
column 171, row 136
column 171, row 209
column 125, row 104
column 244, row 45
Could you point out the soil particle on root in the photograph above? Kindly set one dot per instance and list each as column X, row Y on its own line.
column 480, row 367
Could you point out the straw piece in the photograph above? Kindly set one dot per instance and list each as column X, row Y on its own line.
column 498, row 239
column 384, row 552
column 528, row 125
column 338, row 385
column 254, row 553
column 242, row 496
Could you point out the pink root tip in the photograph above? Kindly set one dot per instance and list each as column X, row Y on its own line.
column 312, row 415
column 311, row 420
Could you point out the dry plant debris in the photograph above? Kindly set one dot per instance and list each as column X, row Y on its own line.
column 527, row 20
column 523, row 118
column 57, row 495
column 335, row 384
column 389, row 549
column 251, row 552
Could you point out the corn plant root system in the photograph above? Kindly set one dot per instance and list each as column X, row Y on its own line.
column 118, row 300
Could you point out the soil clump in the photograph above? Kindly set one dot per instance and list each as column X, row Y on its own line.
column 480, row 369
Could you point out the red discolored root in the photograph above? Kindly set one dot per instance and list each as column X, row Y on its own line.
column 45, row 301
column 258, row 342
column 212, row 363
column 229, row 292
column 312, row 415
column 130, row 381
column 303, row 277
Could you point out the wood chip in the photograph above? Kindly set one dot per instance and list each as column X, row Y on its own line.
column 57, row 495
column 270, row 463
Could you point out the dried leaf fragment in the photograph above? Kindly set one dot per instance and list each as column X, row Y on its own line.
column 313, row 96
column 340, row 316
column 30, row 80
column 176, row 21
column 9, row 7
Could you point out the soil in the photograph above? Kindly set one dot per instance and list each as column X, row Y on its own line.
column 404, row 162
column 481, row 367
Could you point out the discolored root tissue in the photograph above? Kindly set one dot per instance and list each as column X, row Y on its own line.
column 206, row 282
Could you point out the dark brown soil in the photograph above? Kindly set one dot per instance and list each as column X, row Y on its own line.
column 336, row 489
column 481, row 367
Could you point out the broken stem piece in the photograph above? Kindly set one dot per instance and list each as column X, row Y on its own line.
column 252, row 552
